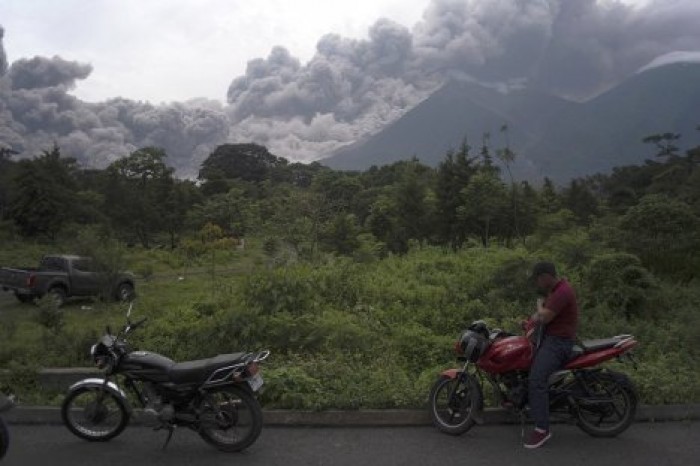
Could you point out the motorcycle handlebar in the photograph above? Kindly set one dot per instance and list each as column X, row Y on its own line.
column 138, row 323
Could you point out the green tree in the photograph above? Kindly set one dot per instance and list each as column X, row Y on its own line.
column 663, row 232
column 233, row 212
column 43, row 198
column 579, row 199
column 483, row 203
column 248, row 162
column 506, row 156
column 549, row 198
column 138, row 194
column 453, row 175
column 7, row 166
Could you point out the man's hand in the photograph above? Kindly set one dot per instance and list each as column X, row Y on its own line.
column 543, row 315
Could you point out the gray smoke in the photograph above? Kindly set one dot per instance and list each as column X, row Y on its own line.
column 41, row 73
column 352, row 88
column 3, row 57
column 37, row 111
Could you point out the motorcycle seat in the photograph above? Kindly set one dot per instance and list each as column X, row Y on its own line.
column 590, row 346
column 199, row 370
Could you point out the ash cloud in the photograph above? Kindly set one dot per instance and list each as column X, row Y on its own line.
column 3, row 56
column 37, row 111
column 352, row 88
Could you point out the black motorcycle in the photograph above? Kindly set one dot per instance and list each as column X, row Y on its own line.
column 6, row 403
column 215, row 397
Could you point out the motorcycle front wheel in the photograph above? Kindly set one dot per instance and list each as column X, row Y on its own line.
column 454, row 403
column 230, row 418
column 4, row 438
column 94, row 414
column 610, row 408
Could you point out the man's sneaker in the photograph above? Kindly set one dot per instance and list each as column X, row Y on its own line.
column 537, row 438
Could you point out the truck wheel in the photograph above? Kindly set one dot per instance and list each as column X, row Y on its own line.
column 57, row 295
column 125, row 292
column 24, row 298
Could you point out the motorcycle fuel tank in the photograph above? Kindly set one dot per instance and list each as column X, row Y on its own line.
column 507, row 354
column 145, row 365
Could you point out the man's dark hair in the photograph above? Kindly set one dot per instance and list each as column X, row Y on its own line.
column 541, row 268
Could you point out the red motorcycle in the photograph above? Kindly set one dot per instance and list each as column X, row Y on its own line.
column 600, row 401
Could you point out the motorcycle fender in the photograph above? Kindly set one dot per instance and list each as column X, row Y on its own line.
column 112, row 387
column 478, row 415
column 451, row 373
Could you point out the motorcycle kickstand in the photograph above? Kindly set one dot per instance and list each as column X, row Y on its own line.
column 171, row 430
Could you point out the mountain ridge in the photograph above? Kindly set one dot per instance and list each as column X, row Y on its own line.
column 551, row 136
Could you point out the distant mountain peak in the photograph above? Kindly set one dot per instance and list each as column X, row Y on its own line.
column 672, row 58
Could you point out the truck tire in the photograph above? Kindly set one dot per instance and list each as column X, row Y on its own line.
column 24, row 298
column 58, row 295
column 125, row 292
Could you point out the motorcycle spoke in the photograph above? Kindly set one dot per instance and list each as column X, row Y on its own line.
column 95, row 413
column 226, row 418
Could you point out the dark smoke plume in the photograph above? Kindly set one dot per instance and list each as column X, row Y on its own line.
column 352, row 88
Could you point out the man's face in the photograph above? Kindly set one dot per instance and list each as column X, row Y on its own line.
column 543, row 283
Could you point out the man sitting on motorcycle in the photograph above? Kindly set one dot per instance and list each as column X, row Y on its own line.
column 557, row 314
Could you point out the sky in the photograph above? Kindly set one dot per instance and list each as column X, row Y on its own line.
column 101, row 78
column 174, row 50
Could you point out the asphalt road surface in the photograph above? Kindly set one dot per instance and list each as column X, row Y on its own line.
column 658, row 444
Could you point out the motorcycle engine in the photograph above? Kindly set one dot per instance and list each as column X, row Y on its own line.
column 155, row 407
column 517, row 389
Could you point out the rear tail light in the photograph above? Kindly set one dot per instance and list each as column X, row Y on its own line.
column 246, row 373
column 31, row 280
column 253, row 369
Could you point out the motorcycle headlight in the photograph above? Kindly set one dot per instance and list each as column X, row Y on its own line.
column 100, row 354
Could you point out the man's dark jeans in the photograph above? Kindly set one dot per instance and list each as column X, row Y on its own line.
column 553, row 354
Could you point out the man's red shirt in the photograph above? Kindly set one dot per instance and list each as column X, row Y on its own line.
column 562, row 301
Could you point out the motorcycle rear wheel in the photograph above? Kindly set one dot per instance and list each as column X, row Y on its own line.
column 231, row 418
column 612, row 407
column 454, row 404
column 4, row 438
column 94, row 414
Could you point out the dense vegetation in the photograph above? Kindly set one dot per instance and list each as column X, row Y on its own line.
column 358, row 282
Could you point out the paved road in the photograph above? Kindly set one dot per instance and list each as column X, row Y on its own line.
column 658, row 444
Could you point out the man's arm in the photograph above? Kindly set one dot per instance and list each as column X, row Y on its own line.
column 543, row 315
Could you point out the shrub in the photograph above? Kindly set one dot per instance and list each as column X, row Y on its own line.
column 620, row 281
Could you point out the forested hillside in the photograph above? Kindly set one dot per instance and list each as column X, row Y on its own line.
column 357, row 281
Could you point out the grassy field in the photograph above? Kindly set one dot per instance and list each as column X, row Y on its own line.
column 343, row 335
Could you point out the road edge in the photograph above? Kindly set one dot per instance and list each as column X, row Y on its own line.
column 29, row 415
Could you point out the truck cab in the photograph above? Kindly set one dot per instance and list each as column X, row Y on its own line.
column 63, row 276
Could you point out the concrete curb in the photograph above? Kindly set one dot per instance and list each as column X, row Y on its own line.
column 363, row 418
column 57, row 379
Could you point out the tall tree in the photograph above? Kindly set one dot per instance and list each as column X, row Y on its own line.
column 483, row 202
column 506, row 156
column 579, row 199
column 138, row 192
column 43, row 198
column 453, row 175
column 249, row 162
column 7, row 166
